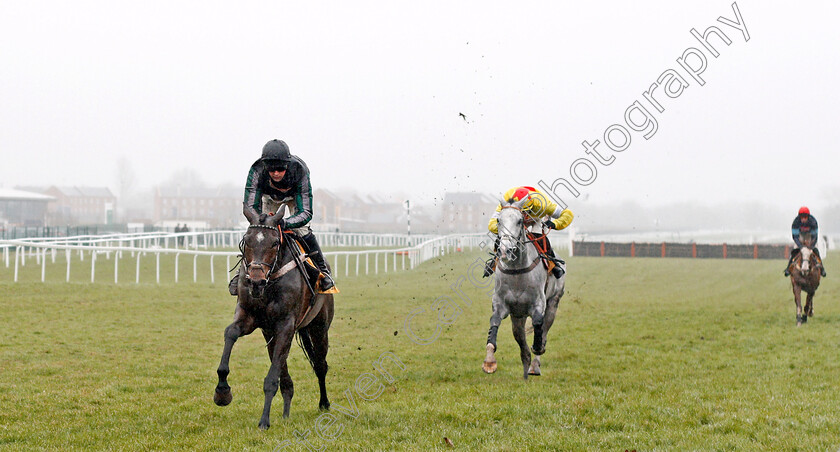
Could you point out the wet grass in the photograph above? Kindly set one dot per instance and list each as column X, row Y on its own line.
column 646, row 354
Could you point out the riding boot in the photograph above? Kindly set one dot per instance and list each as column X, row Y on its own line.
column 558, row 269
column 318, row 258
column 790, row 261
column 233, row 285
column 490, row 265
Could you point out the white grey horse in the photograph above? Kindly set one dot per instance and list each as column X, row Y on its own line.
column 523, row 288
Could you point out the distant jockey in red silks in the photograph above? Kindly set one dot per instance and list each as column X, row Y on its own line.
column 805, row 229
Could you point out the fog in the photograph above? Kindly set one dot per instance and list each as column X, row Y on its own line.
column 422, row 98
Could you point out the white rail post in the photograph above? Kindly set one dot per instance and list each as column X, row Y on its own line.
column 357, row 264
column 346, row 264
column 17, row 258
column 157, row 267
column 137, row 276
column 92, row 266
column 367, row 264
column 69, row 256
column 44, row 265
column 212, row 273
column 195, row 268
column 177, row 255
column 116, row 268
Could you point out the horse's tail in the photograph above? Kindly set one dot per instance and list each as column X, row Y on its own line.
column 305, row 343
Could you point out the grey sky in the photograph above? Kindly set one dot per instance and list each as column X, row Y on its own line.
column 369, row 95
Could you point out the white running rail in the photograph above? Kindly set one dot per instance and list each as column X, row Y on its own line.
column 142, row 244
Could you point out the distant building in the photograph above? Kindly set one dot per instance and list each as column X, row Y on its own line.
column 220, row 207
column 467, row 212
column 78, row 205
column 23, row 208
column 332, row 210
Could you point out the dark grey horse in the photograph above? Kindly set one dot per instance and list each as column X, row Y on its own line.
column 274, row 296
column 523, row 289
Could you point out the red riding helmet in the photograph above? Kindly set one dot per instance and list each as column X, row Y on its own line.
column 804, row 211
column 522, row 193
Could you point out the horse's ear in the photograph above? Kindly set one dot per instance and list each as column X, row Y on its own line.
column 274, row 219
column 502, row 201
column 520, row 203
column 250, row 213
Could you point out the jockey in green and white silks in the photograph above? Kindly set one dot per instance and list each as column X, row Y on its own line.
column 278, row 178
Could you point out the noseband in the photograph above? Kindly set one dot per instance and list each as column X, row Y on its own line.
column 262, row 265
column 523, row 240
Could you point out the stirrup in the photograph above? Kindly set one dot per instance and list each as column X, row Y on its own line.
column 326, row 284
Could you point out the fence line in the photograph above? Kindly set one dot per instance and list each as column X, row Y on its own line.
column 684, row 250
column 95, row 246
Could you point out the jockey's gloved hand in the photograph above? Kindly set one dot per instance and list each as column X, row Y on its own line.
column 549, row 224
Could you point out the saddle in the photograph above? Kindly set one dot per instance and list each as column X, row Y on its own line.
column 309, row 310
column 312, row 272
column 541, row 242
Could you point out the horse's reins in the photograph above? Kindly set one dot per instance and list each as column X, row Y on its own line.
column 273, row 275
column 519, row 271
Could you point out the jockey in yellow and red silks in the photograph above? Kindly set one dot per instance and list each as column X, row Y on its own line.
column 536, row 207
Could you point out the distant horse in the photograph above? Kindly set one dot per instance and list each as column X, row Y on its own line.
column 523, row 288
column 804, row 276
column 275, row 297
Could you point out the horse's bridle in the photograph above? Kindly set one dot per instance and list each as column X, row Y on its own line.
column 262, row 265
column 522, row 240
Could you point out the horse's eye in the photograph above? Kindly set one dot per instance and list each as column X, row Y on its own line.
column 276, row 244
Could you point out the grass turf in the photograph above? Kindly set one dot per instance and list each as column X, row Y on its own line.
column 646, row 354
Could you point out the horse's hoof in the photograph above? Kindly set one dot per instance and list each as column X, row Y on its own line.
column 804, row 319
column 489, row 368
column 535, row 373
column 223, row 397
column 264, row 426
column 324, row 406
column 539, row 351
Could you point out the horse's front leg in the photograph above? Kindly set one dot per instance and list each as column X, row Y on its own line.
column 797, row 298
column 537, row 317
column 521, row 337
column 278, row 373
column 243, row 324
column 809, row 306
column 500, row 311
